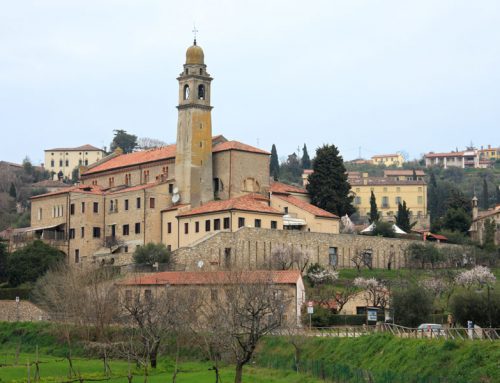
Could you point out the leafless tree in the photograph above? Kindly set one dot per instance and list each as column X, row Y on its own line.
column 376, row 293
column 245, row 309
column 286, row 257
column 363, row 258
column 145, row 143
column 343, row 296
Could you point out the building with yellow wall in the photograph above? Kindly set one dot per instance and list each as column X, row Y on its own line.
column 62, row 161
column 388, row 159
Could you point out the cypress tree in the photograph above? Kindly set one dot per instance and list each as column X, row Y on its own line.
column 305, row 161
column 403, row 218
column 274, row 166
column 328, row 186
column 485, row 202
column 12, row 191
column 414, row 174
column 374, row 214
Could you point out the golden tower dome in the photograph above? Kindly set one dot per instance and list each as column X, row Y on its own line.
column 195, row 55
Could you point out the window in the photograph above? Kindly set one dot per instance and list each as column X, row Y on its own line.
column 398, row 189
column 52, row 163
column 419, row 188
column 201, row 92
column 137, row 228
column 385, row 202
column 217, row 224
column 226, row 223
column 285, row 209
column 274, row 224
column 96, row 207
column 83, row 207
column 258, row 223
column 82, row 232
column 125, row 230
column 420, row 200
column 148, row 296
column 186, row 228
column 126, row 204
column 146, row 176
column 67, row 163
column 357, row 200
column 385, row 190
column 138, row 202
column 241, row 222
column 86, row 162
column 207, row 225
column 332, row 256
column 60, row 163
column 196, row 227
column 77, row 256
column 96, row 232
column 40, row 215
column 71, row 233
column 151, row 203
column 169, row 227
column 170, row 188
column 398, row 200
column 186, row 92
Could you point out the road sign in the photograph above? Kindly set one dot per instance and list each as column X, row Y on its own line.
column 310, row 310
column 310, row 304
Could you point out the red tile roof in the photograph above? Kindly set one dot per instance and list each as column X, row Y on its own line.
column 450, row 154
column 279, row 187
column 213, row 277
column 250, row 202
column 84, row 189
column 135, row 158
column 386, row 155
column 409, row 172
column 235, row 145
column 82, row 148
column 318, row 212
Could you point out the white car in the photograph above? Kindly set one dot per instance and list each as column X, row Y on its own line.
column 431, row 329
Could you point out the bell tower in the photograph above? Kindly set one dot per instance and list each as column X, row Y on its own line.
column 193, row 159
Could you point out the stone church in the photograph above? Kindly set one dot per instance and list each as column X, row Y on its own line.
column 180, row 195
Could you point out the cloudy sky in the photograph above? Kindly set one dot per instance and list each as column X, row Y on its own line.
column 376, row 76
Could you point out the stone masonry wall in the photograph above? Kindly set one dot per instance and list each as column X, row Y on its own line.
column 23, row 311
column 249, row 247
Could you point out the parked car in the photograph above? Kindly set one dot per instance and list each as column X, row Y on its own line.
column 431, row 330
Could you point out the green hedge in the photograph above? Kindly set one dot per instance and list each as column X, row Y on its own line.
column 12, row 292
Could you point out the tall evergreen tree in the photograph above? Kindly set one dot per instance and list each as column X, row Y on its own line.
column 12, row 190
column 485, row 202
column 124, row 141
column 328, row 184
column 374, row 214
column 432, row 197
column 414, row 174
column 274, row 166
column 498, row 193
column 305, row 161
column 403, row 218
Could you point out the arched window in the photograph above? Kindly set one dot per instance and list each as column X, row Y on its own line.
column 201, row 92
column 201, row 70
column 186, row 92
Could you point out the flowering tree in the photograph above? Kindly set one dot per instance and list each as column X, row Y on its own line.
column 376, row 293
column 479, row 275
column 319, row 275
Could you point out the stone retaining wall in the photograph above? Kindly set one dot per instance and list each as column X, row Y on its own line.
column 24, row 311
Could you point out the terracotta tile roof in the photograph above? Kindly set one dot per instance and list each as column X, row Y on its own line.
column 135, row 158
column 133, row 188
column 213, row 277
column 279, row 187
column 383, row 181
column 386, row 155
column 409, row 172
column 250, row 202
column 449, row 154
column 82, row 148
column 50, row 184
column 84, row 189
column 235, row 145
column 318, row 212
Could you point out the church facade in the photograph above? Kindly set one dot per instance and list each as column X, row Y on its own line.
column 178, row 195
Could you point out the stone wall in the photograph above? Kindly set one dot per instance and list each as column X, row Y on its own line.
column 251, row 247
column 23, row 311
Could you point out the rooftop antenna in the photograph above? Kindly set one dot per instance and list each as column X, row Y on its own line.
column 195, row 31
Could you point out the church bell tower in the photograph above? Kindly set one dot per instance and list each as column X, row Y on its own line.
column 193, row 159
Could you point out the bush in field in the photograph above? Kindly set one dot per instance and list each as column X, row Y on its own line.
column 412, row 306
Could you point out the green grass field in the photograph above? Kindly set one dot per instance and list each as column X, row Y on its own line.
column 54, row 369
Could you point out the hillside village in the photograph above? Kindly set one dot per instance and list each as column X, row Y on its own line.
column 210, row 222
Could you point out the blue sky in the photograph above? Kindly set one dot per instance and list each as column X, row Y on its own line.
column 381, row 75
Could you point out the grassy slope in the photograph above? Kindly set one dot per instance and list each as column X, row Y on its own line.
column 477, row 361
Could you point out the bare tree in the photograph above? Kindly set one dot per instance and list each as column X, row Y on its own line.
column 245, row 309
column 343, row 296
column 376, row 293
column 145, row 143
column 286, row 257
column 363, row 258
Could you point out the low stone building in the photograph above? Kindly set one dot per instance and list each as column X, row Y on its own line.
column 480, row 220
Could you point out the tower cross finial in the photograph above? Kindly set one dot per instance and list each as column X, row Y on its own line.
column 195, row 31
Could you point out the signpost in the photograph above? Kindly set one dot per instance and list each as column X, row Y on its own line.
column 310, row 311
column 371, row 314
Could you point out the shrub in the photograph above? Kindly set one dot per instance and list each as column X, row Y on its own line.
column 152, row 253
column 412, row 306
column 473, row 305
